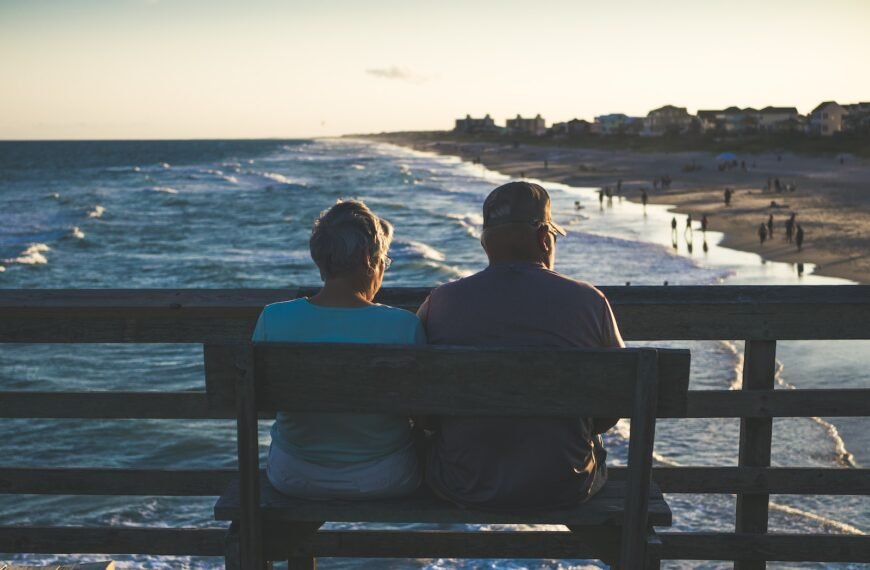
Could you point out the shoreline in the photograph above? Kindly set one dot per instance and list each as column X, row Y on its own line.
column 831, row 200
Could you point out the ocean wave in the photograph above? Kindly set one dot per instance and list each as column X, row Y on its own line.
column 471, row 222
column 54, row 195
column 2, row 269
column 416, row 249
column 77, row 233
column 358, row 166
column 165, row 165
column 33, row 255
column 97, row 212
column 164, row 189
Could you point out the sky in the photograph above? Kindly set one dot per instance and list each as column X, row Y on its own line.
column 146, row 69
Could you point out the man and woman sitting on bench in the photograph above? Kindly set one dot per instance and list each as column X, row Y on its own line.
column 518, row 300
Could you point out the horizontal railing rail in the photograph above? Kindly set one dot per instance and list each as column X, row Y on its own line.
column 228, row 315
column 759, row 315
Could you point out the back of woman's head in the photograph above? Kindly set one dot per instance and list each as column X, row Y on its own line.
column 346, row 232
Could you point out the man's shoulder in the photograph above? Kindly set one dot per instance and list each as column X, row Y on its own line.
column 569, row 284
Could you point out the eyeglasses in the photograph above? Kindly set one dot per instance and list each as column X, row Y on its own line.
column 550, row 229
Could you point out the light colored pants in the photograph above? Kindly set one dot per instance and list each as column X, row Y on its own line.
column 392, row 476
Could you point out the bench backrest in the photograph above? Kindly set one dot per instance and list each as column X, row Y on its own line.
column 448, row 381
column 445, row 380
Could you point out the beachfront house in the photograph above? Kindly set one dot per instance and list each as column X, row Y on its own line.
column 470, row 125
column 536, row 126
column 778, row 119
column 667, row 119
column 572, row 128
column 617, row 124
column 858, row 119
column 732, row 120
column 827, row 119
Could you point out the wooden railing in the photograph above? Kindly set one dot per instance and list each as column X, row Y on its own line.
column 758, row 315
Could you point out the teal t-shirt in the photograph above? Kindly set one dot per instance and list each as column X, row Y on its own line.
column 338, row 439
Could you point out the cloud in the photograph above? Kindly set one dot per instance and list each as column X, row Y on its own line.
column 396, row 73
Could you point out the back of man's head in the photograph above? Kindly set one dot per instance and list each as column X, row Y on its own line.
column 517, row 225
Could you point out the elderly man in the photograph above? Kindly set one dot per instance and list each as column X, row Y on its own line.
column 518, row 300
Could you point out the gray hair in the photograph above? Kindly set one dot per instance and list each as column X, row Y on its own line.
column 342, row 232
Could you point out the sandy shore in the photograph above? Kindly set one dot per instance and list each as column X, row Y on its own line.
column 831, row 200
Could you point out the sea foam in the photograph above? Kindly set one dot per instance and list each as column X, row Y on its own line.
column 96, row 212
column 77, row 233
column 31, row 256
column 164, row 189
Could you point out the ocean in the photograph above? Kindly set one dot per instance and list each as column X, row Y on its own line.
column 237, row 214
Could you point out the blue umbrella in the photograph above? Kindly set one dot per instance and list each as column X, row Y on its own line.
column 726, row 157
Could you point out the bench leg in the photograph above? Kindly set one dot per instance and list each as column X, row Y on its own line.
column 232, row 550
column 653, row 551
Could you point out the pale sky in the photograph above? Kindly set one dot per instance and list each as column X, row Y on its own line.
column 132, row 69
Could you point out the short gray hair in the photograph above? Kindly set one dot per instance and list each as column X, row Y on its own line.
column 342, row 232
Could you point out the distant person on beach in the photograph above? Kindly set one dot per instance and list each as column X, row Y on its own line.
column 799, row 237
column 518, row 300
column 770, row 226
column 789, row 228
column 704, row 223
column 343, row 456
column 643, row 197
column 728, row 193
column 762, row 233
column 601, row 196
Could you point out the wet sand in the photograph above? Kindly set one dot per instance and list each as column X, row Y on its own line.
column 831, row 200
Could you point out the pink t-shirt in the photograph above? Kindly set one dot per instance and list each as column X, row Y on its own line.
column 511, row 463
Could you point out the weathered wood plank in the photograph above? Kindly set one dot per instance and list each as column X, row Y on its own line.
column 770, row 480
column 250, row 522
column 594, row 543
column 555, row 544
column 228, row 315
column 759, row 371
column 778, row 403
column 194, row 405
column 112, row 540
column 212, row 482
column 448, row 380
column 773, row 547
column 86, row 566
column 109, row 405
column 78, row 481
column 640, row 447
column 604, row 508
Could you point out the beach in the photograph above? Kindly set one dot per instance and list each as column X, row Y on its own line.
column 830, row 199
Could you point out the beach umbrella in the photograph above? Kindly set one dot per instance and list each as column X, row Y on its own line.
column 726, row 157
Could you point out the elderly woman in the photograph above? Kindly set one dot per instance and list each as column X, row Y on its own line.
column 347, row 456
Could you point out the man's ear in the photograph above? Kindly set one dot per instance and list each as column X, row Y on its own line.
column 542, row 236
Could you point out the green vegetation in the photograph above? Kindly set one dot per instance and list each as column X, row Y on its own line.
column 857, row 144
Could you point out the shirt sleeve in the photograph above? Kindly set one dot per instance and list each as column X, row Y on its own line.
column 610, row 336
column 423, row 312
column 260, row 330
column 419, row 333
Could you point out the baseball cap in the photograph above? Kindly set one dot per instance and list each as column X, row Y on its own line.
column 519, row 202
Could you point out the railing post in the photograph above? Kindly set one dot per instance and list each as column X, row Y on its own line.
column 759, row 370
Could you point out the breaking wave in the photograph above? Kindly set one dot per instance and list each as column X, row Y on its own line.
column 97, row 212
column 33, row 255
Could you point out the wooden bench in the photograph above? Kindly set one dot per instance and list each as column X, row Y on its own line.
column 616, row 525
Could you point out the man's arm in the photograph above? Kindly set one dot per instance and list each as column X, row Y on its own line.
column 610, row 338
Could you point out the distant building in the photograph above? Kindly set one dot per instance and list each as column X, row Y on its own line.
column 827, row 118
column 470, row 125
column 667, row 119
column 574, row 127
column 858, row 119
column 778, row 119
column 536, row 126
column 732, row 120
column 617, row 124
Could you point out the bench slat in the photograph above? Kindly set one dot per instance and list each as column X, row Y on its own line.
column 444, row 380
column 607, row 507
